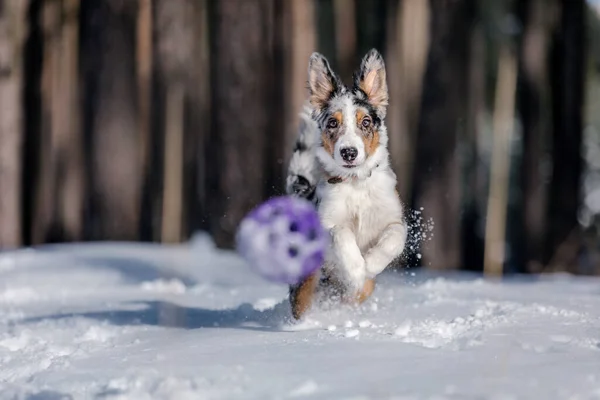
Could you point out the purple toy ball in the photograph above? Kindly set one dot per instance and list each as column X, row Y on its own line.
column 282, row 239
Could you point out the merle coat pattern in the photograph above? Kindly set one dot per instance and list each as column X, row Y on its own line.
column 341, row 163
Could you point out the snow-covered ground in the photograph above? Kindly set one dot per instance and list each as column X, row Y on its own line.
column 134, row 321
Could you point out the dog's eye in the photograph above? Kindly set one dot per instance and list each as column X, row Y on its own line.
column 332, row 123
column 366, row 122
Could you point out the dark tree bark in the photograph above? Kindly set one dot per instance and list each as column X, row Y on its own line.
column 277, row 95
column 241, row 97
column 299, row 31
column 32, row 104
column 144, row 73
column 406, row 51
column 568, row 77
column 474, row 190
column 175, row 49
column 443, row 112
column 326, row 43
column 499, row 183
column 406, row 59
column 109, row 52
column 13, row 29
column 58, row 214
column 345, row 36
column 198, row 119
column 370, row 27
column 535, row 113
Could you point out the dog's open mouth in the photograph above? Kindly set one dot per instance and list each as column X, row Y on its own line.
column 349, row 166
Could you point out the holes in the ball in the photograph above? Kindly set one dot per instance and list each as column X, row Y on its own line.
column 312, row 234
column 293, row 251
column 294, row 227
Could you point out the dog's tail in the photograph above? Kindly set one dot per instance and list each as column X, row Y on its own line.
column 303, row 170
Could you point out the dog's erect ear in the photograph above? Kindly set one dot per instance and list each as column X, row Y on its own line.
column 322, row 82
column 371, row 79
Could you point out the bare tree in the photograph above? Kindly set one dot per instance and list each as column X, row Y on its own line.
column 144, row 70
column 475, row 192
column 109, row 54
column 568, row 78
column 369, row 23
column 175, row 47
column 443, row 112
column 535, row 113
column 242, row 65
column 299, row 30
column 495, row 232
column 407, row 46
column 13, row 29
column 345, row 37
column 147, row 116
column 198, row 120
column 60, row 200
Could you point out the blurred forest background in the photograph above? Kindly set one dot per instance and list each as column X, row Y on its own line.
column 150, row 120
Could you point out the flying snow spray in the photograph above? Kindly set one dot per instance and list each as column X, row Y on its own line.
column 282, row 239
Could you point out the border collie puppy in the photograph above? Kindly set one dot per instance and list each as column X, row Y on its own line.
column 341, row 163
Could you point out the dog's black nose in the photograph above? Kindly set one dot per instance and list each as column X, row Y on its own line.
column 349, row 153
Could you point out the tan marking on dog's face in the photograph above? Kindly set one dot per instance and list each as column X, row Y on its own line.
column 370, row 136
column 330, row 135
column 360, row 114
column 328, row 144
column 371, row 143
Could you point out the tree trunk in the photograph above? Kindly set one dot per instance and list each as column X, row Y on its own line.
column 277, row 95
column 407, row 45
column 535, row 113
column 13, row 29
column 144, row 68
column 474, row 190
column 43, row 214
column 60, row 201
column 146, row 93
column 241, row 98
column 172, row 211
column 326, row 36
column 568, row 78
column 33, row 67
column 370, row 26
column 198, row 119
column 300, row 41
column 345, row 37
column 175, row 48
column 497, row 206
column 443, row 112
column 115, row 148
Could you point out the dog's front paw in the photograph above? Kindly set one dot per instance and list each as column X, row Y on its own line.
column 372, row 267
column 301, row 187
column 389, row 247
column 355, row 275
column 348, row 256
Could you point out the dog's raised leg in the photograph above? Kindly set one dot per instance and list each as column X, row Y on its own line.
column 349, row 257
column 301, row 295
column 388, row 247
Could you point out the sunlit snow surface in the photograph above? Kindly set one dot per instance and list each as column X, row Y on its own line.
column 123, row 321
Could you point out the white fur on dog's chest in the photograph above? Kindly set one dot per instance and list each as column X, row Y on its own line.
column 365, row 207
